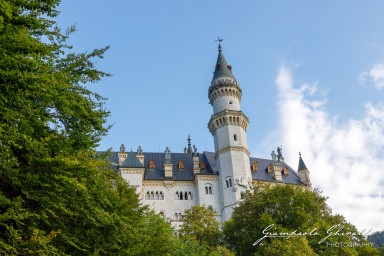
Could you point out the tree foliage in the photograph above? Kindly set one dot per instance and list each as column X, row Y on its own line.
column 57, row 196
column 286, row 210
column 201, row 226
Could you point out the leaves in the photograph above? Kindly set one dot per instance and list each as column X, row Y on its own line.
column 289, row 210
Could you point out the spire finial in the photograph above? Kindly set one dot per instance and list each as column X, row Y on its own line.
column 189, row 144
column 219, row 40
column 299, row 153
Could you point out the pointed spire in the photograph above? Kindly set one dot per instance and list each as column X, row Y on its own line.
column 301, row 164
column 222, row 69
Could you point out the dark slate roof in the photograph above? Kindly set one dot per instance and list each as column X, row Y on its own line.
column 261, row 174
column 159, row 158
column 187, row 173
column 222, row 69
column 131, row 161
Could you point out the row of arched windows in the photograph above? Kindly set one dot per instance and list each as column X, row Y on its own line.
column 151, row 195
column 180, row 195
column 226, row 92
column 178, row 216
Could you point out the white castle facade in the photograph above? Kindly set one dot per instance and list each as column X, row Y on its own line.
column 170, row 183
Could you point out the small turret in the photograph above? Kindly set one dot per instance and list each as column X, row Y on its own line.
column 303, row 172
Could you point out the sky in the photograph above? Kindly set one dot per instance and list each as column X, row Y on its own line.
column 312, row 75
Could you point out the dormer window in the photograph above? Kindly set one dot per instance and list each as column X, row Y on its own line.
column 254, row 166
column 151, row 165
column 217, row 66
column 202, row 165
column 270, row 168
column 180, row 165
column 285, row 171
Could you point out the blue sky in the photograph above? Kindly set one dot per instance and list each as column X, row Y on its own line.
column 312, row 74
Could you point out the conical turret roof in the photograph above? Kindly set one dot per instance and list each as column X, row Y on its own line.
column 222, row 69
column 301, row 164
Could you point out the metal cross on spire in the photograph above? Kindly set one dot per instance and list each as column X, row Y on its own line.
column 219, row 40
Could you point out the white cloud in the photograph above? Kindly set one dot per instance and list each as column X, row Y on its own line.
column 345, row 159
column 376, row 75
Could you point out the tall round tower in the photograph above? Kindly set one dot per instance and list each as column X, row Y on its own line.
column 228, row 126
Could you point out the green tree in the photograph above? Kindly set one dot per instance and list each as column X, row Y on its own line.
column 201, row 226
column 57, row 196
column 298, row 246
column 289, row 210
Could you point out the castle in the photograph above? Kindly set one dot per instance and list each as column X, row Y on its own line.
column 170, row 183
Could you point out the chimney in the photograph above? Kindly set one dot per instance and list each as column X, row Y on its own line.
column 140, row 155
column 196, row 161
column 122, row 155
column 168, row 165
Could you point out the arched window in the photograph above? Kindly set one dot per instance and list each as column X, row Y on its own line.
column 210, row 208
column 228, row 182
column 162, row 214
column 151, row 165
column 190, row 195
column 161, row 195
column 177, row 197
column 177, row 216
column 180, row 165
column 186, row 195
column 181, row 195
column 208, row 189
column 157, row 195
column 147, row 196
column 152, row 195
column 234, row 137
column 254, row 166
